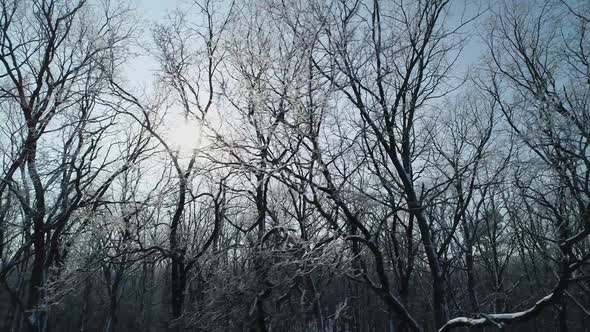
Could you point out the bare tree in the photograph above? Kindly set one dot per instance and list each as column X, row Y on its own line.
column 55, row 67
column 538, row 75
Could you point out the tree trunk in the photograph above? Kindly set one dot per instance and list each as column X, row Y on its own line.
column 440, row 301
column 259, row 266
column 178, row 283
column 36, row 317
column 469, row 262
column 562, row 315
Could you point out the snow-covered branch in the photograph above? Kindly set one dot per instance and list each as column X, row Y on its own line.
column 500, row 319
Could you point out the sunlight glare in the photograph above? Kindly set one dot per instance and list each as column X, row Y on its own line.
column 184, row 133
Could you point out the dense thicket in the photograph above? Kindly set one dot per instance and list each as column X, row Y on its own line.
column 353, row 165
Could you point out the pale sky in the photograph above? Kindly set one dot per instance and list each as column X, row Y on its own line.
column 184, row 134
column 140, row 72
column 155, row 9
column 140, row 69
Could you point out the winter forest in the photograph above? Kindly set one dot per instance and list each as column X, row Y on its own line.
column 295, row 165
